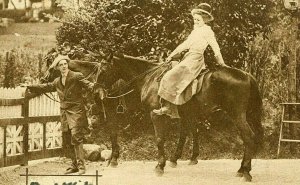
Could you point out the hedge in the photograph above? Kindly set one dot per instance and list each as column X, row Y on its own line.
column 17, row 15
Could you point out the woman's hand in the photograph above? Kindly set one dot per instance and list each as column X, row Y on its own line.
column 220, row 61
column 168, row 59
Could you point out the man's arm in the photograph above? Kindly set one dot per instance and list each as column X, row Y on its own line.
column 42, row 88
column 84, row 82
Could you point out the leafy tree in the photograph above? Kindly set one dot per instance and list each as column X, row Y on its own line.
column 147, row 27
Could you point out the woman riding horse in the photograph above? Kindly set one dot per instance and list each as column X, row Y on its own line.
column 228, row 96
column 178, row 79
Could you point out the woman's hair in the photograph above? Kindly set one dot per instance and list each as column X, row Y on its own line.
column 206, row 18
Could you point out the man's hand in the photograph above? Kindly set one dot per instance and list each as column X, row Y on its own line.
column 91, row 86
column 102, row 93
column 168, row 59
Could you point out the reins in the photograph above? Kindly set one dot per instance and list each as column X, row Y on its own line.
column 51, row 98
column 111, row 95
column 127, row 84
column 121, row 95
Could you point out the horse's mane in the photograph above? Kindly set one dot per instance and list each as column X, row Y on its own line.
column 135, row 65
column 85, row 63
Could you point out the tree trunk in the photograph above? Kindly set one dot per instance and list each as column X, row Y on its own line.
column 293, row 83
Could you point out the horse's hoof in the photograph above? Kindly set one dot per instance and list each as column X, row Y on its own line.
column 173, row 164
column 158, row 171
column 113, row 163
column 193, row 162
column 239, row 174
column 247, row 177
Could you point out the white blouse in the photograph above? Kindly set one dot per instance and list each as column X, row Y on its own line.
column 198, row 40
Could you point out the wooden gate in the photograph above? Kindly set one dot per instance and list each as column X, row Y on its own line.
column 29, row 128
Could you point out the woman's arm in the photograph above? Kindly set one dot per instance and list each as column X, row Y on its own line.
column 211, row 39
column 182, row 47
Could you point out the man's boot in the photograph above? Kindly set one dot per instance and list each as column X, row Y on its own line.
column 168, row 109
column 73, row 168
column 71, row 154
column 80, row 158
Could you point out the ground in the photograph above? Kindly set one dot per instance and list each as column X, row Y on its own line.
column 210, row 172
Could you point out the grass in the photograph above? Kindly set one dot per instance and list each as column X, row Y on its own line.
column 26, row 41
column 35, row 37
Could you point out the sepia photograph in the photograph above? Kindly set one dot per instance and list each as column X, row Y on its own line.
column 143, row 92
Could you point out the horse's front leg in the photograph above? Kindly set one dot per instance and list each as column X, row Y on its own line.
column 195, row 154
column 159, row 123
column 182, row 138
column 114, row 144
column 115, row 149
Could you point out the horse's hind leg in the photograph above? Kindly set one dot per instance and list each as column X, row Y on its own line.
column 159, row 123
column 180, row 145
column 248, row 138
column 193, row 159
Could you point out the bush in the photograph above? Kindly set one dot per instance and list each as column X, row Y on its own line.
column 57, row 12
column 17, row 15
column 140, row 28
column 19, row 64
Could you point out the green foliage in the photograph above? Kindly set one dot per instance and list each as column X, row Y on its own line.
column 266, row 64
column 239, row 23
column 17, row 15
column 270, row 61
column 9, row 71
column 148, row 27
column 18, row 64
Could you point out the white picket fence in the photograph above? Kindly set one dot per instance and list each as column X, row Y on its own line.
column 14, row 111
column 38, row 106
column 28, row 126
column 44, row 106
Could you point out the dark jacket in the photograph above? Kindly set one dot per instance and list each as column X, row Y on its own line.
column 73, row 113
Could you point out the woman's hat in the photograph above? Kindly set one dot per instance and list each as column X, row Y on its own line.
column 203, row 9
column 58, row 59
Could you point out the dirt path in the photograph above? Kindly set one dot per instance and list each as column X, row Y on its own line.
column 215, row 172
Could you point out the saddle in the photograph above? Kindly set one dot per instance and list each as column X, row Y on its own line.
column 194, row 87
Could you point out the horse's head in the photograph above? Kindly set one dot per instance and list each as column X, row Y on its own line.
column 118, row 66
column 108, row 71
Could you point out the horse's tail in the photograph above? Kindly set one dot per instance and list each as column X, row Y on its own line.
column 254, row 112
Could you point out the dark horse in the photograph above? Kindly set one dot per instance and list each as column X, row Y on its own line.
column 227, row 93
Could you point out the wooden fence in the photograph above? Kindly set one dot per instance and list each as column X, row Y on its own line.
column 29, row 128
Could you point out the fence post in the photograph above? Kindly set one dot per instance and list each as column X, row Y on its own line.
column 40, row 58
column 4, row 146
column 44, row 138
column 25, row 113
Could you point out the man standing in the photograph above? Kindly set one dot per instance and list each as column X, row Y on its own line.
column 74, row 122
